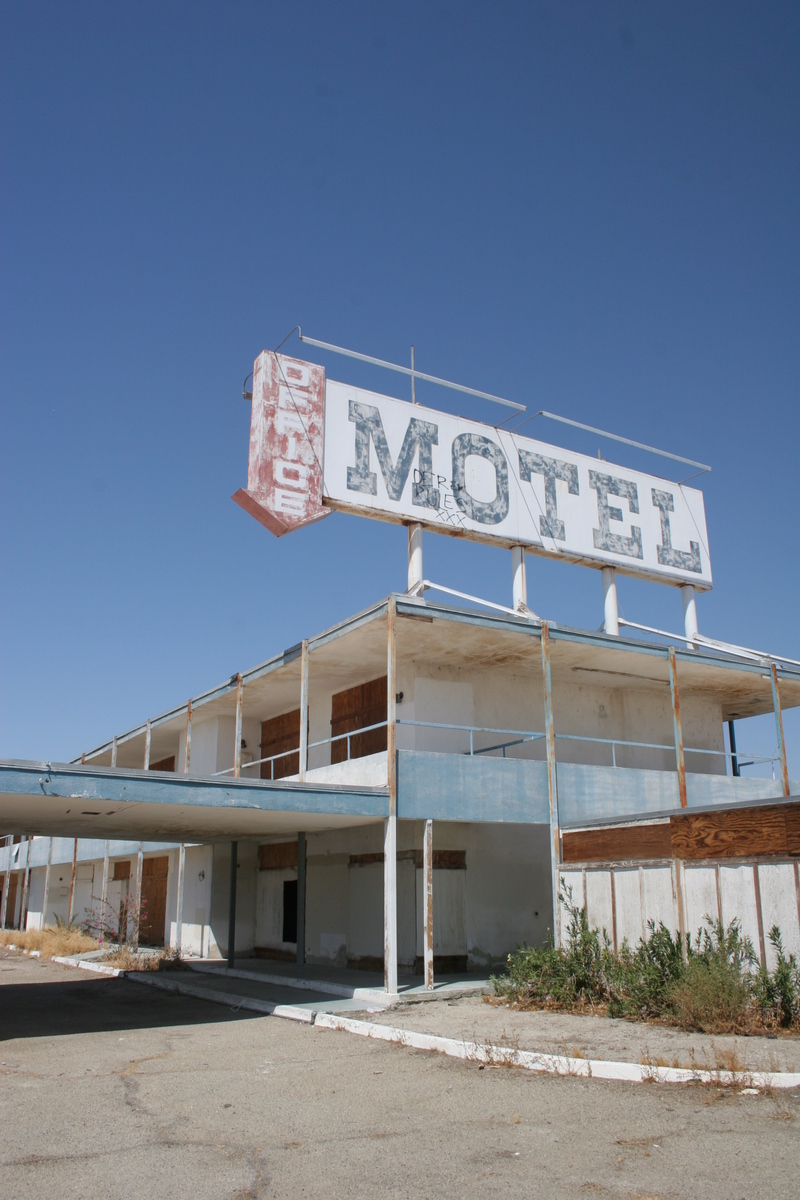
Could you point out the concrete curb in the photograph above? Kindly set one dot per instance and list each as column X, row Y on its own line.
column 556, row 1064
column 290, row 1011
column 98, row 968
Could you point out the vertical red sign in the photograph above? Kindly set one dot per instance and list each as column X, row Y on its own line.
column 284, row 477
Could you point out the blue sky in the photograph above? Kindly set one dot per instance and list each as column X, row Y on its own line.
column 590, row 208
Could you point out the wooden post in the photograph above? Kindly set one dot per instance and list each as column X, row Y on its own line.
column 390, row 826
column 677, row 728
column 427, row 905
column 552, row 784
column 776, row 702
column 72, row 881
column 237, row 733
column 179, row 914
column 303, row 756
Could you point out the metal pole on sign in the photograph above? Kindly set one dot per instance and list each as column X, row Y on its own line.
column 413, row 381
column 734, row 755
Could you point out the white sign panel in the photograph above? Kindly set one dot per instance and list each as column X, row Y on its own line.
column 388, row 459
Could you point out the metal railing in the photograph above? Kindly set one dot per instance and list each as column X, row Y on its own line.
column 519, row 737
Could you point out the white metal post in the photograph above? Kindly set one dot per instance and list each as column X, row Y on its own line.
column 415, row 575
column 179, row 914
column 187, row 749
column 520, row 578
column 113, row 751
column 610, row 609
column 72, row 881
column 303, row 756
column 552, row 785
column 147, row 746
column 427, row 905
column 689, row 612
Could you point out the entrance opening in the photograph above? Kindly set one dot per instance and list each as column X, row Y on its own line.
column 290, row 910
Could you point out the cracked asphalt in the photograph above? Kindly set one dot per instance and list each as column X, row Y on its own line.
column 112, row 1089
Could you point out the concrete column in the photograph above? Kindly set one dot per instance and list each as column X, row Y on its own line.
column 520, row 578
column 427, row 905
column 138, row 901
column 179, row 913
column 23, row 908
column 415, row 575
column 301, row 899
column 46, row 897
column 689, row 612
column 303, row 756
column 104, row 894
column 72, row 880
column 232, row 906
column 610, row 609
column 390, row 825
column 552, row 785
column 7, row 882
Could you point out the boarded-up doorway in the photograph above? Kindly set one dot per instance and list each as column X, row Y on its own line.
column 11, row 907
column 154, row 901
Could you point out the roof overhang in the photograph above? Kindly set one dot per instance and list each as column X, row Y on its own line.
column 64, row 800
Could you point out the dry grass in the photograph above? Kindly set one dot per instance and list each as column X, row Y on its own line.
column 50, row 941
column 128, row 959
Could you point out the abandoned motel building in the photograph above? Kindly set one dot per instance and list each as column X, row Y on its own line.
column 412, row 791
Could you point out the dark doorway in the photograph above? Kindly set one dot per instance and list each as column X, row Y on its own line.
column 290, row 910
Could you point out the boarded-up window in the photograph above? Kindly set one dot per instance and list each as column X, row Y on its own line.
column 279, row 735
column 154, row 901
column 358, row 708
column 122, row 870
column 277, row 856
column 164, row 764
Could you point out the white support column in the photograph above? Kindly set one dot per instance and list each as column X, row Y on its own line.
column 72, row 881
column 610, row 609
column 46, row 897
column 7, row 882
column 104, row 894
column 415, row 575
column 179, row 914
column 187, row 749
column 427, row 905
column 689, row 612
column 147, row 746
column 390, row 825
column 138, row 896
column 26, row 879
column 520, row 578
column 303, row 756
column 237, row 735
column 113, row 751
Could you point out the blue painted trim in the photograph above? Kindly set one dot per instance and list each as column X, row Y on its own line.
column 122, row 785
column 456, row 787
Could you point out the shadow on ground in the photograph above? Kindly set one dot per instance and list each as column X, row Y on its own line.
column 33, row 1009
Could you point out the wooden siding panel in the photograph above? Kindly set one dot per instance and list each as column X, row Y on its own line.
column 632, row 842
column 792, row 817
column 746, row 833
column 164, row 764
column 154, row 901
column 357, row 708
column 279, row 735
column 277, row 856
column 122, row 870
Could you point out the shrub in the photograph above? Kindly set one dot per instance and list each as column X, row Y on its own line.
column 715, row 986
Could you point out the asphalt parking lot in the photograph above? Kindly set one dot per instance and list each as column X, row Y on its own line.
column 112, row 1089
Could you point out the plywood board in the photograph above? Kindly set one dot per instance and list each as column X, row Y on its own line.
column 621, row 844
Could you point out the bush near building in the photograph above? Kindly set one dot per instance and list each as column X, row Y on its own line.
column 714, row 984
